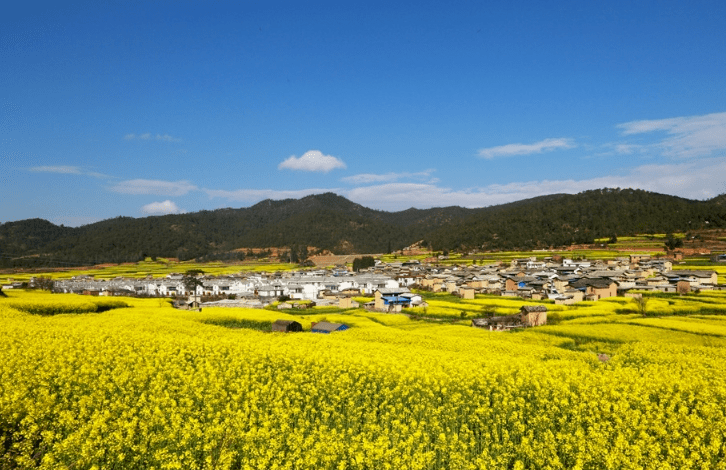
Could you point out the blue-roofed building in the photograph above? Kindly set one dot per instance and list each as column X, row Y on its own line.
column 392, row 299
column 327, row 327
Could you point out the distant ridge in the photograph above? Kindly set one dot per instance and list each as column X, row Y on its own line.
column 331, row 222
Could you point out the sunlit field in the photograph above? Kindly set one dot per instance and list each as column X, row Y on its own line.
column 159, row 268
column 127, row 383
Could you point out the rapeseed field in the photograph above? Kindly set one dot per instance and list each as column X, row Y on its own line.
column 156, row 269
column 138, row 385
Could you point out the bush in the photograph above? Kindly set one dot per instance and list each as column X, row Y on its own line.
column 641, row 304
column 44, row 283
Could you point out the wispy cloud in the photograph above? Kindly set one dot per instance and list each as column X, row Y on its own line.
column 312, row 160
column 626, row 149
column 156, row 187
column 255, row 195
column 67, row 170
column 368, row 178
column 511, row 150
column 694, row 180
column 63, row 169
column 161, row 208
column 149, row 136
column 690, row 136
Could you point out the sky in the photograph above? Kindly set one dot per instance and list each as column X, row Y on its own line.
column 140, row 108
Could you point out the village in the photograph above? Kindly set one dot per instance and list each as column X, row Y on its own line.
column 389, row 285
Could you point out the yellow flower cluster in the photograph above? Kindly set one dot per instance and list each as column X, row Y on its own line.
column 45, row 303
column 150, row 387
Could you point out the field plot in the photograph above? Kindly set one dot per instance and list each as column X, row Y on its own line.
column 141, row 385
column 159, row 268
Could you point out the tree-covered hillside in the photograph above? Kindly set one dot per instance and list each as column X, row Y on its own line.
column 331, row 222
column 565, row 219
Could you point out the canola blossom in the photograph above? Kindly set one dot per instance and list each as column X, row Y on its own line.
column 149, row 387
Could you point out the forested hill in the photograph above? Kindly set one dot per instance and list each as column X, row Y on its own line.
column 564, row 219
column 328, row 221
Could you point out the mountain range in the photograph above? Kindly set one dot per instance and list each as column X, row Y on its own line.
column 331, row 222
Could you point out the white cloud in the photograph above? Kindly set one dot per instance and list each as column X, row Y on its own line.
column 149, row 136
column 312, row 160
column 161, row 208
column 368, row 178
column 690, row 136
column 161, row 188
column 255, row 195
column 511, row 150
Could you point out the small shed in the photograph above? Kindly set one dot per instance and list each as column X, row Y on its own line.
column 286, row 326
column 191, row 304
column 467, row 292
column 327, row 327
column 533, row 315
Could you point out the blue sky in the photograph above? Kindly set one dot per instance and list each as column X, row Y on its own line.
column 145, row 108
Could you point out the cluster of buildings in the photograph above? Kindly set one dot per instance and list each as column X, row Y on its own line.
column 563, row 280
column 301, row 285
column 566, row 281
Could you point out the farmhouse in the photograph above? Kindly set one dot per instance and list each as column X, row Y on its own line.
column 695, row 278
column 597, row 288
column 392, row 299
